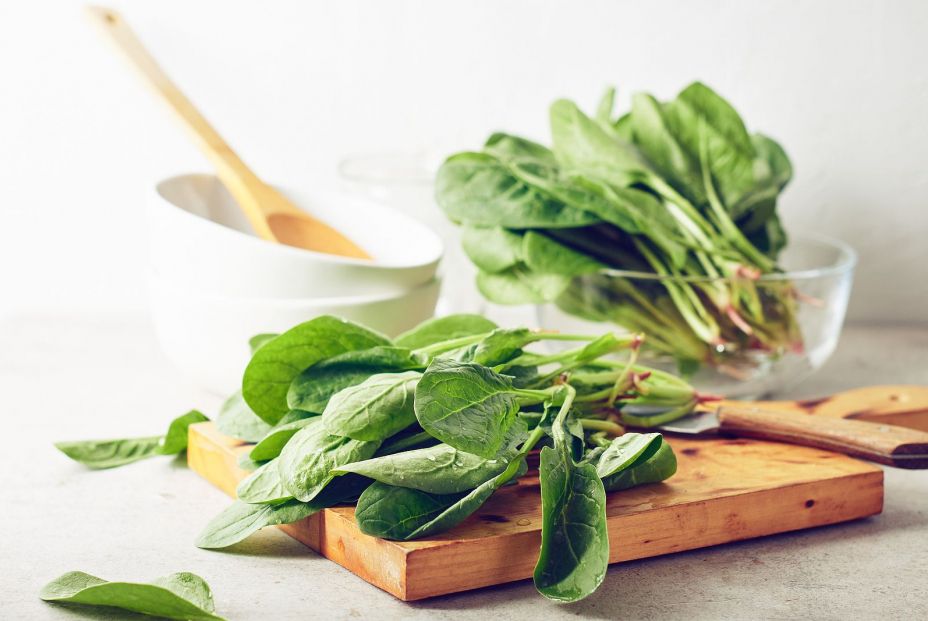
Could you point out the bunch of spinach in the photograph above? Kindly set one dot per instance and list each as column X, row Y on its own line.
column 677, row 189
column 421, row 430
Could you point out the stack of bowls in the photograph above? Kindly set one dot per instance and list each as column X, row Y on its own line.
column 214, row 284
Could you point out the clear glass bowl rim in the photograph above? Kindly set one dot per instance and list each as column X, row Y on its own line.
column 847, row 259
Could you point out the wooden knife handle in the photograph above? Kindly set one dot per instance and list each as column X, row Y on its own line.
column 885, row 444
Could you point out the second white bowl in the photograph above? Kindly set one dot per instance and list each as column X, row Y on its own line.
column 200, row 240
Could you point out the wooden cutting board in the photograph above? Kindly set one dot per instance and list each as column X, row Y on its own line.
column 724, row 490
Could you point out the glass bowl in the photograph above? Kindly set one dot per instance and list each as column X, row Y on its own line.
column 795, row 328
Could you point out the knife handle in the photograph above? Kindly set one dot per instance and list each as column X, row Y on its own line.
column 885, row 444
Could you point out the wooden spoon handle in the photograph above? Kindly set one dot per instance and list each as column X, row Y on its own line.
column 233, row 172
column 885, row 444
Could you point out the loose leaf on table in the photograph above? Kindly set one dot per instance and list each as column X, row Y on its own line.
column 574, row 540
column 312, row 389
column 375, row 409
column 307, row 461
column 274, row 441
column 178, row 596
column 240, row 519
column 100, row 454
column 655, row 463
column 466, row 405
column 445, row 328
column 264, row 486
column 236, row 420
column 274, row 366
column 439, row 469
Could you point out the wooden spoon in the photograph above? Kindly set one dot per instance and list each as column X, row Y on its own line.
column 272, row 216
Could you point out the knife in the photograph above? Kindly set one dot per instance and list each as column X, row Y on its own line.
column 884, row 444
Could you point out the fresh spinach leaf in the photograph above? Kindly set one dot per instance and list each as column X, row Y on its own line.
column 312, row 389
column 574, row 540
column 492, row 249
column 238, row 421
column 445, row 328
column 375, row 409
column 520, row 285
column 264, row 486
column 101, row 454
column 178, row 596
column 273, row 443
column 653, row 465
column 466, row 405
column 479, row 189
column 306, row 462
column 274, row 366
column 439, row 469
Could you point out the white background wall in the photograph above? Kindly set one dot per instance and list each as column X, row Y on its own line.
column 294, row 85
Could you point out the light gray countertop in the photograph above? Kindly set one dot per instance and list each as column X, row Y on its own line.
column 66, row 377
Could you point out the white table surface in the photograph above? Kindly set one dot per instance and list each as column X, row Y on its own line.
column 67, row 377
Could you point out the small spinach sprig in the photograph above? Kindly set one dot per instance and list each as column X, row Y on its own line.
column 420, row 431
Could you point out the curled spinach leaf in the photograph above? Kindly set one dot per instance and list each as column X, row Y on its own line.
column 100, row 454
column 178, row 596
column 574, row 540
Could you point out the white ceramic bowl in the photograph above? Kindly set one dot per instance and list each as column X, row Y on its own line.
column 206, row 336
column 200, row 240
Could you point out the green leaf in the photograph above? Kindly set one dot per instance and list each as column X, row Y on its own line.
column 574, row 539
column 175, row 441
column 492, row 249
column 656, row 463
column 509, row 148
column 697, row 114
column 445, row 328
column 375, row 409
column 466, row 405
column 543, row 255
column 274, row 366
column 240, row 519
column 307, row 461
column 478, row 189
column 520, row 285
column 403, row 513
column 623, row 451
column 679, row 166
column 178, row 596
column 312, row 389
column 439, row 469
column 264, row 486
column 101, row 454
column 236, row 420
column 502, row 345
column 273, row 443
column 581, row 144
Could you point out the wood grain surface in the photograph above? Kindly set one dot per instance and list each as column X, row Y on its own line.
column 725, row 490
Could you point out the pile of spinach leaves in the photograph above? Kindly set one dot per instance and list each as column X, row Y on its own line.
column 677, row 189
column 421, row 430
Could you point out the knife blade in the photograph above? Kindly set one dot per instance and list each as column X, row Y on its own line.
column 885, row 444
